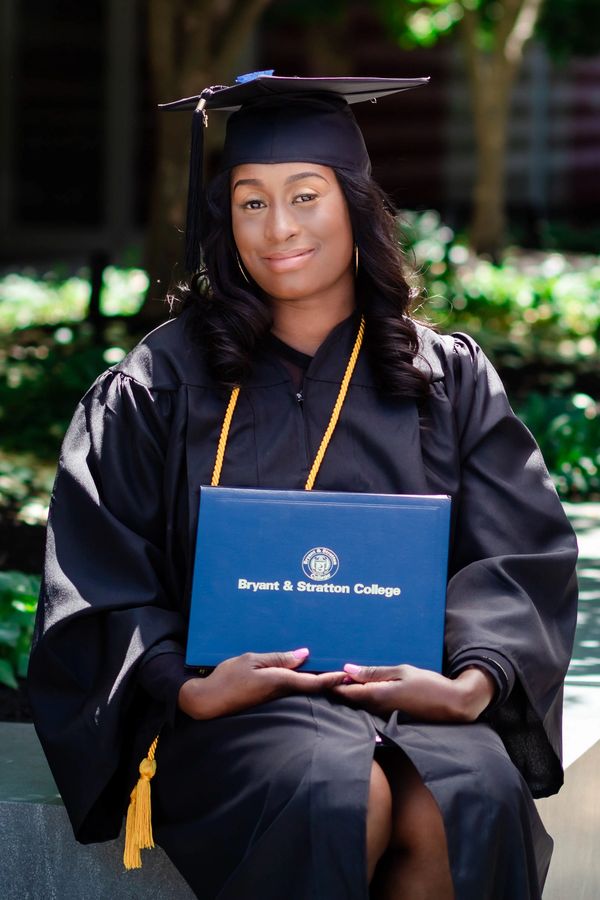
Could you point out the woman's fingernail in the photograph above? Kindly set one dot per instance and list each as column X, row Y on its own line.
column 350, row 667
column 347, row 680
column 301, row 653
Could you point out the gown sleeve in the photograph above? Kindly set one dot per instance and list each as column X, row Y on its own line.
column 512, row 588
column 105, row 601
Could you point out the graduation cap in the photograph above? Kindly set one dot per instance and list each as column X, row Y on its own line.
column 280, row 119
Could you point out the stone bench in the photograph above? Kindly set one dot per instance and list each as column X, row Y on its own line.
column 39, row 857
column 572, row 817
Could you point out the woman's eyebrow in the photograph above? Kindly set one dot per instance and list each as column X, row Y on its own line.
column 301, row 175
column 256, row 182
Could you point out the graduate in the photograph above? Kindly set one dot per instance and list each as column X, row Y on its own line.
column 270, row 781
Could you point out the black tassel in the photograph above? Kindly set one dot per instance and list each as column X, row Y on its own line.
column 195, row 188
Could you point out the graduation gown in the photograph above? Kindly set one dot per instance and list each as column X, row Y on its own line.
column 119, row 562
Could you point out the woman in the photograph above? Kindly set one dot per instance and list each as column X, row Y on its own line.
column 271, row 781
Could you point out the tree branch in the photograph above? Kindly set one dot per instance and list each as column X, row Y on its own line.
column 516, row 27
column 522, row 31
column 503, row 30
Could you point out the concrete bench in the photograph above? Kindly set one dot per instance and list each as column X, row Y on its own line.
column 39, row 857
column 572, row 817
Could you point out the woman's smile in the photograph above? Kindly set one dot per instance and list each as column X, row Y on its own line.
column 288, row 260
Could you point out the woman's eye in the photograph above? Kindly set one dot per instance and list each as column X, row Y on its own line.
column 253, row 204
column 304, row 198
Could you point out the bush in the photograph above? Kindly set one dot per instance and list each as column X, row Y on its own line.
column 27, row 299
column 25, row 486
column 18, row 601
column 42, row 378
column 535, row 309
column 568, row 432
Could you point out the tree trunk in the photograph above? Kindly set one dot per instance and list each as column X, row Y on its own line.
column 491, row 79
column 491, row 112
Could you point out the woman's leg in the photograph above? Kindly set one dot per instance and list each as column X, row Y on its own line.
column 379, row 818
column 415, row 865
column 497, row 847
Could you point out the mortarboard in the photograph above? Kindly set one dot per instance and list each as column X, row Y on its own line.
column 281, row 119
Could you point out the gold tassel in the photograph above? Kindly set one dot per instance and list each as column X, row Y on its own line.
column 138, row 827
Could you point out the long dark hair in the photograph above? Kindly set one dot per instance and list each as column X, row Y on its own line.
column 233, row 316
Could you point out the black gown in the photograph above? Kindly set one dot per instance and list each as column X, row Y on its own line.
column 242, row 802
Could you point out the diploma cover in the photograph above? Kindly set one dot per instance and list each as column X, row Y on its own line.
column 354, row 577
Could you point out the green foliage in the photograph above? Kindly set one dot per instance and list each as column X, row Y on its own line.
column 570, row 27
column 567, row 27
column 18, row 601
column 44, row 372
column 568, row 431
column 26, row 300
column 536, row 309
column 43, row 376
column 39, row 393
column 538, row 318
column 421, row 23
column 25, row 486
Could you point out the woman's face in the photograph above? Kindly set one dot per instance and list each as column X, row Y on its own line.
column 292, row 229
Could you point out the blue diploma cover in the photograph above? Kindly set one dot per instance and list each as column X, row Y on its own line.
column 354, row 577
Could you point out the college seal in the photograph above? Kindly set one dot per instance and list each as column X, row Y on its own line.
column 320, row 564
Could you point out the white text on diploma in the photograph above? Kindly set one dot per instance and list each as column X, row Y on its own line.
column 245, row 584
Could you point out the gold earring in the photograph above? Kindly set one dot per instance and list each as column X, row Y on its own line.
column 355, row 260
column 241, row 268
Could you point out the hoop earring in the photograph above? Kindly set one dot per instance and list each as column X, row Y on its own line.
column 355, row 260
column 241, row 268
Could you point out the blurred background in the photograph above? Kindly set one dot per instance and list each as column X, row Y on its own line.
column 495, row 167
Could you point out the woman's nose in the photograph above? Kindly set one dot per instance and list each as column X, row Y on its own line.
column 281, row 223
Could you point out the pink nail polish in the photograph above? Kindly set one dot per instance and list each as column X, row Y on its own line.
column 350, row 667
column 301, row 653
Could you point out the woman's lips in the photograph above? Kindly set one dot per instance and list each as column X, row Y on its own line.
column 289, row 260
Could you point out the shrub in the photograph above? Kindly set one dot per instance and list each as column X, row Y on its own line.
column 541, row 309
column 42, row 378
column 18, row 601
column 28, row 299
column 568, row 432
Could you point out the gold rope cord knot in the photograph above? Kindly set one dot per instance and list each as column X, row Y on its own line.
column 138, row 827
column 148, row 769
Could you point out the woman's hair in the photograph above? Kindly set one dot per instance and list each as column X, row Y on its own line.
column 233, row 316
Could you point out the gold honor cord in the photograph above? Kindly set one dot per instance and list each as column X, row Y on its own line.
column 138, row 827
column 216, row 475
column 337, row 407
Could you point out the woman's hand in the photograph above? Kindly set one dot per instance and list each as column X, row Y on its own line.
column 248, row 680
column 422, row 694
